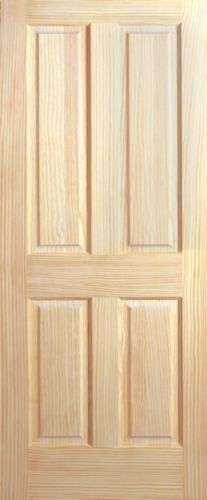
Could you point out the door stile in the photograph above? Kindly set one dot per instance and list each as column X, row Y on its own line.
column 194, row 65
column 13, row 255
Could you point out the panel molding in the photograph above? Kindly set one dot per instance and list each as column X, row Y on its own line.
column 153, row 372
column 152, row 137
column 126, row 125
column 57, row 163
column 58, row 350
column 59, row 195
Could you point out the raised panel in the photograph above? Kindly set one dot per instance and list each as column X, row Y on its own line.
column 135, row 139
column 129, row 139
column 153, row 382
column 57, row 130
column 152, row 143
column 59, row 371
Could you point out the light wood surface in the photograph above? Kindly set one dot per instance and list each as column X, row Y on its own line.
column 117, row 144
column 152, row 372
column 106, row 347
column 152, row 107
column 60, row 101
column 153, row 275
column 69, row 11
column 108, row 154
column 58, row 372
column 55, row 474
column 56, row 125
column 195, row 248
column 14, row 449
column 103, row 250
column 63, row 368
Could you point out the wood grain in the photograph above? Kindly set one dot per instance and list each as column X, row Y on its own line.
column 194, row 64
column 123, row 153
column 63, row 369
column 55, row 474
column 56, row 124
column 146, row 275
column 148, row 470
column 58, row 372
column 152, row 136
column 106, row 359
column 152, row 369
column 108, row 151
column 73, row 11
column 13, row 252
column 133, row 100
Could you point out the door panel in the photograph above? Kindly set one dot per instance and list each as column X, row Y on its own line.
column 58, row 354
column 151, row 123
column 103, row 216
column 152, row 371
column 56, row 125
column 126, row 142
column 117, row 383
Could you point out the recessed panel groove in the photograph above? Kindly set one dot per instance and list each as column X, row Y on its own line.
column 153, row 383
column 57, row 136
column 152, row 143
column 58, row 350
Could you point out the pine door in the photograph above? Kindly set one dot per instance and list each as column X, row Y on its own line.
column 103, row 249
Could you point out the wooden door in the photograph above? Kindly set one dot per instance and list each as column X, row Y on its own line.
column 103, row 249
